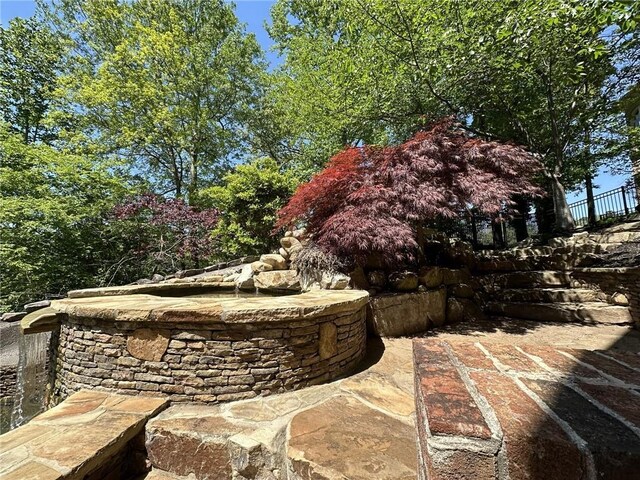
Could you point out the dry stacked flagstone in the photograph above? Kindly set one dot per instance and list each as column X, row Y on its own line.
column 495, row 411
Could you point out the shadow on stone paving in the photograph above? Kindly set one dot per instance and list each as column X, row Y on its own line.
column 593, row 430
column 566, row 397
column 510, row 326
column 375, row 350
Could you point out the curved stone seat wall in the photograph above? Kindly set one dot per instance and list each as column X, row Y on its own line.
column 225, row 357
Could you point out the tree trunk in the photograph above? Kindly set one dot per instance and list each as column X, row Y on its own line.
column 497, row 230
column 564, row 220
column 545, row 218
column 193, row 183
column 519, row 221
column 591, row 204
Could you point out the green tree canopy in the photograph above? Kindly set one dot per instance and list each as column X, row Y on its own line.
column 536, row 71
column 167, row 85
column 53, row 217
column 30, row 55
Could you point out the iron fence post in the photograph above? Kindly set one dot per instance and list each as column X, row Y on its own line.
column 624, row 200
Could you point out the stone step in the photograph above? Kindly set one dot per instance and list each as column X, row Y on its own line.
column 588, row 312
column 549, row 295
column 194, row 441
column 623, row 227
column 596, row 238
column 90, row 435
column 306, row 434
column 541, row 278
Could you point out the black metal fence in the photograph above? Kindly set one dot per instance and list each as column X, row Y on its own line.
column 615, row 203
column 484, row 232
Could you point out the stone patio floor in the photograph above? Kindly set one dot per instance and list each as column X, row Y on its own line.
column 356, row 428
column 360, row 427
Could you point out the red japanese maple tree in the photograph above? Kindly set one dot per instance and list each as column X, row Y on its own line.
column 372, row 199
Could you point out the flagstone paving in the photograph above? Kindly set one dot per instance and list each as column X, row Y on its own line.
column 89, row 435
column 360, row 427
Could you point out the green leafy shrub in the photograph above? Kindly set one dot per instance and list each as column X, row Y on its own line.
column 248, row 200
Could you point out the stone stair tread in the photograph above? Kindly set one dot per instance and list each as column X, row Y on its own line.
column 77, row 438
column 585, row 312
column 548, row 295
column 559, row 288
column 527, row 279
column 299, row 431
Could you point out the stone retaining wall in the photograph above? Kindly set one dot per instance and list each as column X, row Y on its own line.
column 443, row 296
column 207, row 363
column 8, row 380
column 612, row 281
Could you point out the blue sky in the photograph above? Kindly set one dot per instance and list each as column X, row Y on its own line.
column 254, row 13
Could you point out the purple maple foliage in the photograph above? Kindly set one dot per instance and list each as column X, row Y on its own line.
column 171, row 232
column 371, row 200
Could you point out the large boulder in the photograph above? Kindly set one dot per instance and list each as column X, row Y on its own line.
column 359, row 279
column 395, row 315
column 259, row 266
column 455, row 276
column 377, row 278
column 291, row 244
column 334, row 281
column 277, row 261
column 455, row 310
column 430, row 277
column 403, row 281
column 278, row 280
column 462, row 290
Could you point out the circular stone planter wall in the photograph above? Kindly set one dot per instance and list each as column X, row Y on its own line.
column 206, row 349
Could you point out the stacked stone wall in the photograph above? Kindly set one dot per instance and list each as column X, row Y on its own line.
column 8, row 380
column 208, row 363
column 613, row 281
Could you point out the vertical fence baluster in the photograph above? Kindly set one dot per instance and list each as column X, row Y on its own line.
column 611, row 204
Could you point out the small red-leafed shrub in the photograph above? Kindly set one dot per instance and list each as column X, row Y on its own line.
column 371, row 200
column 161, row 234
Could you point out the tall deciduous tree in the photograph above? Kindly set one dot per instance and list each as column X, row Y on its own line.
column 30, row 56
column 534, row 71
column 166, row 84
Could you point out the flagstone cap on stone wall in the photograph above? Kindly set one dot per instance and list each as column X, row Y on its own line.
column 154, row 309
column 84, row 437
